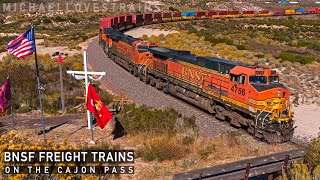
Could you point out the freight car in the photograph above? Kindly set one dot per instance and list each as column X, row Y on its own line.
column 246, row 96
column 248, row 13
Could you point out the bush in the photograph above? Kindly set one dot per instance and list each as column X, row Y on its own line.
column 303, row 59
column 74, row 20
column 162, row 149
column 137, row 119
column 205, row 152
column 313, row 154
column 241, row 47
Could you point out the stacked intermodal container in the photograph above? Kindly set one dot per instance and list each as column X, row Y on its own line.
column 264, row 13
column 166, row 17
column 312, row 10
column 137, row 19
column 200, row 15
column 290, row 12
column 122, row 22
column 247, row 13
column 279, row 12
column 233, row 14
column 129, row 21
column 157, row 17
column 212, row 14
column 176, row 16
column 147, row 17
column 115, row 22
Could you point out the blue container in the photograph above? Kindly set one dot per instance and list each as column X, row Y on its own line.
column 192, row 13
column 300, row 10
column 185, row 14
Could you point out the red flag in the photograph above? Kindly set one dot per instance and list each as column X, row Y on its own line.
column 60, row 59
column 5, row 96
column 95, row 105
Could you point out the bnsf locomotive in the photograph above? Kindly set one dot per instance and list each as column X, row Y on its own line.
column 250, row 97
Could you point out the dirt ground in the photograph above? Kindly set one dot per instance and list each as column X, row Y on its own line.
column 72, row 128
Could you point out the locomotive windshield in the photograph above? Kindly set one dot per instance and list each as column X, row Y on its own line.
column 258, row 79
column 273, row 79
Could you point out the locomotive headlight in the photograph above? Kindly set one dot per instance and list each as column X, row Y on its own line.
column 278, row 93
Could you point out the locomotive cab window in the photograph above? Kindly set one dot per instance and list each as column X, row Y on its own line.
column 258, row 79
column 238, row 78
column 273, row 79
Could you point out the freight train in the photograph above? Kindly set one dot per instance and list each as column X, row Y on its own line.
column 249, row 97
column 127, row 21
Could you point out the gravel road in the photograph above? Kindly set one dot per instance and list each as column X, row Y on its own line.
column 117, row 78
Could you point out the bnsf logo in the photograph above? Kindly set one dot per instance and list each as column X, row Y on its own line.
column 193, row 74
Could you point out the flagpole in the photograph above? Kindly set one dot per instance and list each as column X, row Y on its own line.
column 39, row 86
column 85, row 64
column 11, row 108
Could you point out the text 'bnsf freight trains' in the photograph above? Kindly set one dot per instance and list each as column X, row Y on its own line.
column 250, row 97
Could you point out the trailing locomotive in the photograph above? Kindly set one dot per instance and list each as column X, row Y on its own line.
column 248, row 97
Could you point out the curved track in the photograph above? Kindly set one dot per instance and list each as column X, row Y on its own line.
column 117, row 78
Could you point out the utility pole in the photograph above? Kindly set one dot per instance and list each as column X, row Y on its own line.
column 60, row 60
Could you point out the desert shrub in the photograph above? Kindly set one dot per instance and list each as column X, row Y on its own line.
column 74, row 20
column 308, row 170
column 162, row 149
column 207, row 150
column 303, row 59
column 241, row 47
column 314, row 46
column 146, row 119
column 59, row 19
column 190, row 122
column 173, row 9
column 46, row 20
column 313, row 154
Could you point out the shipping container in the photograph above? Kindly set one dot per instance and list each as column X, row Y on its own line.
column 137, row 19
column 279, row 12
column 312, row 10
column 289, row 12
column 212, row 14
column 147, row 17
column 106, row 22
column 188, row 15
column 264, row 13
column 247, row 13
column 122, row 22
column 300, row 11
column 129, row 21
column 176, row 16
column 115, row 22
column 157, row 17
column 200, row 15
column 233, row 14
column 166, row 17
column 223, row 14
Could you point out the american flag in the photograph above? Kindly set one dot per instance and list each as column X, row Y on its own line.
column 22, row 46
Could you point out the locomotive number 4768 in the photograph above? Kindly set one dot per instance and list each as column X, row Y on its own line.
column 238, row 90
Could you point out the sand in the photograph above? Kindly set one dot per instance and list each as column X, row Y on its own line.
column 307, row 119
column 139, row 32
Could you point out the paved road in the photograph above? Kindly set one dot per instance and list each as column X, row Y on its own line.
column 117, row 78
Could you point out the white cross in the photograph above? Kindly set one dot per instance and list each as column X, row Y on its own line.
column 86, row 73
